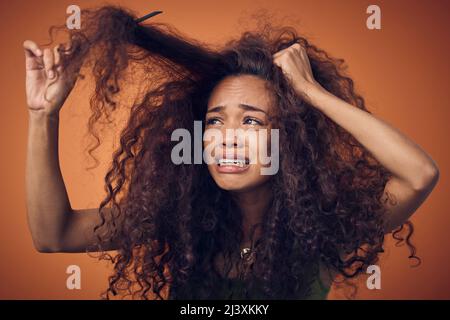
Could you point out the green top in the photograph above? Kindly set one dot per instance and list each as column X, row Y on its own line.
column 233, row 289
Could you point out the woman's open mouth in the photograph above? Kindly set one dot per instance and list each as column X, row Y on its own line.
column 231, row 165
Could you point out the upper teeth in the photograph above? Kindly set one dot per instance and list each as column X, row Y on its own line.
column 232, row 162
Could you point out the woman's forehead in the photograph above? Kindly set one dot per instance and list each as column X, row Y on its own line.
column 242, row 89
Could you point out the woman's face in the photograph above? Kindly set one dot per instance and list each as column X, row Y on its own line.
column 239, row 102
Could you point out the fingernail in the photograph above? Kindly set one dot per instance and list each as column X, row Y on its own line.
column 39, row 52
column 51, row 74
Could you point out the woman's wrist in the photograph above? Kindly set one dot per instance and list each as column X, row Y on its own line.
column 39, row 115
column 313, row 92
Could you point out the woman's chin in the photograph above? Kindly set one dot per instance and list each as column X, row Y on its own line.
column 235, row 186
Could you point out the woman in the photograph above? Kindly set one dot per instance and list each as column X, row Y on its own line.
column 221, row 230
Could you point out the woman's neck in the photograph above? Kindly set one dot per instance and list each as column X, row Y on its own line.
column 253, row 205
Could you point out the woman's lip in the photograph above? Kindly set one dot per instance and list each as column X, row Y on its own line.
column 231, row 168
column 233, row 157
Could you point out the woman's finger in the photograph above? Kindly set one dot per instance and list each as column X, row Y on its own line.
column 297, row 46
column 56, row 54
column 48, row 63
column 31, row 49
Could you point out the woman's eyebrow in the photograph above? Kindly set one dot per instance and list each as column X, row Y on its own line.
column 243, row 106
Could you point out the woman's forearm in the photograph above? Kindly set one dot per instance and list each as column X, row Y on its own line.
column 47, row 202
column 396, row 152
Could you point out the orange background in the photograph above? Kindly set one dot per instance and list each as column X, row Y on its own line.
column 402, row 70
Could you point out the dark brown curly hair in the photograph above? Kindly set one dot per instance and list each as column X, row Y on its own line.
column 170, row 221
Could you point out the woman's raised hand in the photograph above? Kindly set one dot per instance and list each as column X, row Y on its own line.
column 46, row 92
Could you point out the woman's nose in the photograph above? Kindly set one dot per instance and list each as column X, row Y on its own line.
column 229, row 144
column 233, row 138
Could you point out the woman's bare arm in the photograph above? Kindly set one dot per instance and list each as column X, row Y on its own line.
column 54, row 225
column 415, row 173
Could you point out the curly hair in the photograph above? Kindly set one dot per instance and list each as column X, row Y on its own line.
column 170, row 221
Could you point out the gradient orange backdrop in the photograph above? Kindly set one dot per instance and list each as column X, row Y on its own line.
column 402, row 70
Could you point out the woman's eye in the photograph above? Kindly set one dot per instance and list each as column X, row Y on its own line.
column 252, row 121
column 212, row 121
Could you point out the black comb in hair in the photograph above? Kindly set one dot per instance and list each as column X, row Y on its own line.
column 148, row 16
